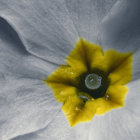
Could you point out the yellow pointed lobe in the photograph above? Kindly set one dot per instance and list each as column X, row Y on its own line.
column 80, row 103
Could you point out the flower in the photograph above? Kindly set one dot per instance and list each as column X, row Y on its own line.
column 35, row 38
column 91, row 81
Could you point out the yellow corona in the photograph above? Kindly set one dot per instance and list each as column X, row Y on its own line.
column 92, row 81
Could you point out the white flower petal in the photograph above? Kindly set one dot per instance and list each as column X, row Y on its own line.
column 63, row 131
column 120, row 124
column 132, row 100
column 136, row 66
column 51, row 26
column 121, row 31
column 57, row 129
column 26, row 106
column 26, row 103
column 87, row 15
column 48, row 33
column 15, row 60
column 30, row 136
column 44, row 26
column 120, row 27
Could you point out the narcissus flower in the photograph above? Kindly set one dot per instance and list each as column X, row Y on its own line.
column 92, row 81
column 35, row 38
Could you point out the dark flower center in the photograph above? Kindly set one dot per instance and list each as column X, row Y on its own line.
column 94, row 83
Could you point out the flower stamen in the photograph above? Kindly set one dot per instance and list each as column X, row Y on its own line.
column 93, row 81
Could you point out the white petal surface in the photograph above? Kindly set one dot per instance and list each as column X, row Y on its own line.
column 122, row 123
column 30, row 136
column 26, row 106
column 45, row 26
column 63, row 131
column 41, row 34
column 58, row 129
column 119, row 124
column 121, row 30
column 26, row 103
column 120, row 27
column 87, row 15
column 51, row 26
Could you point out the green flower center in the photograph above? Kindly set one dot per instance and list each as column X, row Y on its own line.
column 93, row 81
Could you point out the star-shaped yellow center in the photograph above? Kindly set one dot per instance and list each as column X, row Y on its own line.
column 92, row 81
